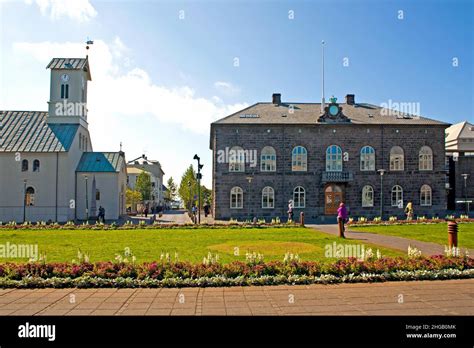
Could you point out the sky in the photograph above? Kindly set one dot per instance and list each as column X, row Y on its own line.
column 162, row 71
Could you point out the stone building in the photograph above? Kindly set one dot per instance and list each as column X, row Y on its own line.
column 48, row 170
column 460, row 160
column 273, row 152
column 154, row 169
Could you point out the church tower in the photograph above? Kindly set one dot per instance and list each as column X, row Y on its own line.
column 68, row 91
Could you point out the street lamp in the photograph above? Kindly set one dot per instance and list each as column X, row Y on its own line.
column 199, row 176
column 466, row 204
column 381, row 172
column 87, row 199
column 249, row 179
column 24, row 200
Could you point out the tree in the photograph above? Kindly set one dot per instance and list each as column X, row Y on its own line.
column 132, row 198
column 170, row 194
column 206, row 195
column 143, row 185
column 188, row 187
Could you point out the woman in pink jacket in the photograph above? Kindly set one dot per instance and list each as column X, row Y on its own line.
column 342, row 218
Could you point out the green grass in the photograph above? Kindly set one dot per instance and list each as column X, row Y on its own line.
column 190, row 244
column 436, row 233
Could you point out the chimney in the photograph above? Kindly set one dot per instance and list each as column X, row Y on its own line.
column 276, row 99
column 350, row 99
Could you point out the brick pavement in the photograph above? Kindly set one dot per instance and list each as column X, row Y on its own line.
column 449, row 297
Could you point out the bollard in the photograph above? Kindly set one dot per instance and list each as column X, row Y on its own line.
column 452, row 234
column 302, row 219
column 340, row 222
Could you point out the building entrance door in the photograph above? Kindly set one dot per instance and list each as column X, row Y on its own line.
column 332, row 198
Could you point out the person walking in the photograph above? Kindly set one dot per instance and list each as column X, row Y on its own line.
column 290, row 210
column 409, row 211
column 194, row 210
column 342, row 218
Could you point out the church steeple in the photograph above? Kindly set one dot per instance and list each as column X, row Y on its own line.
column 68, row 90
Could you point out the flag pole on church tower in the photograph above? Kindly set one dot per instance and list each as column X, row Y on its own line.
column 322, row 79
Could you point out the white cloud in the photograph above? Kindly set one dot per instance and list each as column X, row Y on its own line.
column 119, row 89
column 78, row 10
column 226, row 88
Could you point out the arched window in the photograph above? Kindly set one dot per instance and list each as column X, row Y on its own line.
column 299, row 197
column 299, row 159
column 367, row 196
column 425, row 195
column 236, row 159
column 396, row 158
column 30, row 196
column 24, row 165
column 236, row 198
column 268, row 198
column 268, row 159
column 333, row 159
column 36, row 165
column 397, row 196
column 426, row 158
column 367, row 158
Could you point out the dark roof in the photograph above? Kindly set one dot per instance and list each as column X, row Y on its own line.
column 101, row 162
column 27, row 131
column 70, row 64
column 308, row 113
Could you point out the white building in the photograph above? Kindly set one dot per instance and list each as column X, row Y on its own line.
column 153, row 168
column 48, row 170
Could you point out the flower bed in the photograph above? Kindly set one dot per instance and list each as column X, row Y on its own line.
column 132, row 226
column 181, row 274
column 394, row 221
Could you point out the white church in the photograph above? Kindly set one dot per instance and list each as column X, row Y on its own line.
column 48, row 170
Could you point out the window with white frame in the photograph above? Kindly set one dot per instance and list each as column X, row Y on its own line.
column 426, row 158
column 268, row 198
column 236, row 159
column 236, row 198
column 334, row 159
column 367, row 158
column 268, row 159
column 425, row 195
column 396, row 158
column 397, row 196
column 299, row 159
column 367, row 196
column 299, row 197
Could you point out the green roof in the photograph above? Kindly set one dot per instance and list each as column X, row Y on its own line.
column 27, row 131
column 101, row 162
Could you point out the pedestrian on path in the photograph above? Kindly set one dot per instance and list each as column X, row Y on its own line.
column 342, row 219
column 290, row 210
column 409, row 211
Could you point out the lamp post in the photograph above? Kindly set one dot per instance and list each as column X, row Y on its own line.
column 381, row 172
column 466, row 204
column 87, row 199
column 249, row 179
column 199, row 176
column 24, row 200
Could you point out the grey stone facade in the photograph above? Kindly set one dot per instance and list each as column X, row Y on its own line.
column 316, row 137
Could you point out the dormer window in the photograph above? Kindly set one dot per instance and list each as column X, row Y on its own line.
column 64, row 91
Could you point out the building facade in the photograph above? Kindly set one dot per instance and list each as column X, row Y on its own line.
column 271, row 153
column 47, row 160
column 460, row 160
column 154, row 169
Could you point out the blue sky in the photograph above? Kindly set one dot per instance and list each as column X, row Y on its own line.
column 179, row 73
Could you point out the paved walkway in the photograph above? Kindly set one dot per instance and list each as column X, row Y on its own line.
column 449, row 297
column 393, row 242
column 175, row 216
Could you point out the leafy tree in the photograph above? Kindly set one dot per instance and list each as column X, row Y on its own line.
column 143, row 185
column 132, row 198
column 170, row 194
column 206, row 195
column 188, row 187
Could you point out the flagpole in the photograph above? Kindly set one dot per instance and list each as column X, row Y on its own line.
column 322, row 80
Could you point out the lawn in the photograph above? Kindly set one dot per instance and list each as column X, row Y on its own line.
column 436, row 233
column 190, row 244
